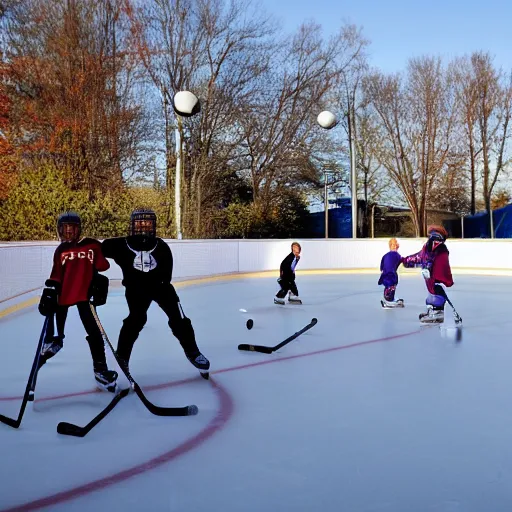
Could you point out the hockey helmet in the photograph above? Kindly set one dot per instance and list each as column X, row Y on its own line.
column 436, row 236
column 143, row 223
column 69, row 226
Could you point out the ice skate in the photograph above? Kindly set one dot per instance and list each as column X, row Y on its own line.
column 294, row 299
column 432, row 316
column 201, row 363
column 106, row 379
column 391, row 304
column 278, row 300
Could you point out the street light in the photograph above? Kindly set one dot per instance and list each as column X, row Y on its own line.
column 353, row 176
column 327, row 120
column 186, row 104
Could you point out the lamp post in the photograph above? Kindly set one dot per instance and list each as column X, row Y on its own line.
column 326, row 207
column 353, row 175
column 327, row 120
column 373, row 220
column 177, row 178
column 186, row 104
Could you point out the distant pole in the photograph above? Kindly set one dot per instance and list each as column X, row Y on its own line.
column 353, row 176
column 373, row 220
column 326, row 207
column 462, row 226
column 177, row 179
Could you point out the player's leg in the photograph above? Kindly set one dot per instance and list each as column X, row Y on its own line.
column 181, row 326
column 138, row 304
column 105, row 378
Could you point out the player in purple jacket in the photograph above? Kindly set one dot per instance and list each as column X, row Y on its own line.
column 389, row 276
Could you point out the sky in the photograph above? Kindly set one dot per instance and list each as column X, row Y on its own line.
column 399, row 29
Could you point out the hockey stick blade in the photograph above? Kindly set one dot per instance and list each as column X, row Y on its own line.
column 187, row 410
column 255, row 348
column 269, row 350
column 69, row 429
column 9, row 421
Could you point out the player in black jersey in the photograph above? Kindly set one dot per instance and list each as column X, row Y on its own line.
column 146, row 262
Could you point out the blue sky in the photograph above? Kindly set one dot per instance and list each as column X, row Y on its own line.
column 400, row 29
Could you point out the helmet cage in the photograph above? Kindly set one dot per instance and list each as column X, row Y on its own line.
column 143, row 223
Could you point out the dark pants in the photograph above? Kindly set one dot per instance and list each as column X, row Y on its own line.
column 286, row 286
column 138, row 301
column 96, row 345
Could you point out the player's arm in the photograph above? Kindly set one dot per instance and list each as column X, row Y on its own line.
column 50, row 295
column 414, row 260
column 100, row 262
column 166, row 261
column 108, row 247
column 285, row 268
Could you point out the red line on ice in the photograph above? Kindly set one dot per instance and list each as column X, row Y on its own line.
column 219, row 421
column 232, row 369
column 221, row 418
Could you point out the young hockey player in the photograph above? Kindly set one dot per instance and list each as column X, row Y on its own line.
column 287, row 277
column 146, row 262
column 73, row 281
column 434, row 261
column 389, row 276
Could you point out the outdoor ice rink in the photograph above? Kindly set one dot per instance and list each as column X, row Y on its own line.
column 368, row 411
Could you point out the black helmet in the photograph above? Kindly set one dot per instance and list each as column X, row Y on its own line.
column 143, row 222
column 72, row 219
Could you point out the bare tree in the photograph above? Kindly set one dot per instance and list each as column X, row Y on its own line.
column 418, row 118
column 485, row 100
column 372, row 178
column 217, row 49
column 281, row 139
column 467, row 93
column 494, row 110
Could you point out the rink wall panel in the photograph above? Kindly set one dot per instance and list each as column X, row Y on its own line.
column 24, row 266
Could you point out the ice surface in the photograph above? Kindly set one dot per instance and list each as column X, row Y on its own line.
column 368, row 411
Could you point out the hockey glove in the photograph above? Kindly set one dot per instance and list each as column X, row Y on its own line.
column 425, row 272
column 50, row 283
column 99, row 290
column 48, row 301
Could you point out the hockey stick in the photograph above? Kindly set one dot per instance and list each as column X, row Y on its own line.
column 42, row 361
column 441, row 291
column 458, row 318
column 187, row 410
column 269, row 350
column 16, row 423
column 69, row 429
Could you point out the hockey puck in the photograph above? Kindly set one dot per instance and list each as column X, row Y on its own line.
column 249, row 323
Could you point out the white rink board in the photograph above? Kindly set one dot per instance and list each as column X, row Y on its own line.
column 26, row 265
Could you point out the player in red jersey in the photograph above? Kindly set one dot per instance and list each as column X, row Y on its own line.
column 74, row 281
